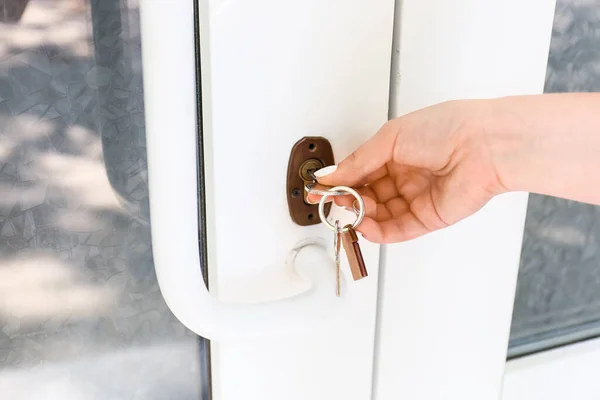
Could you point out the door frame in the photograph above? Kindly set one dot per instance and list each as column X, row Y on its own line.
column 565, row 372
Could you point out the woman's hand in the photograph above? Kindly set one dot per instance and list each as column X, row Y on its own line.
column 424, row 171
column 433, row 167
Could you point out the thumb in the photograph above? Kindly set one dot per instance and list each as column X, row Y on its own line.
column 365, row 163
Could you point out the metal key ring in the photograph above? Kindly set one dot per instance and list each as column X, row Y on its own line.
column 361, row 203
column 355, row 208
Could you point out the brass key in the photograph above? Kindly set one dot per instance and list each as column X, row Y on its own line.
column 353, row 253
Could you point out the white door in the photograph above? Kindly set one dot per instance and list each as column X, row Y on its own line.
column 447, row 298
column 247, row 80
column 269, row 73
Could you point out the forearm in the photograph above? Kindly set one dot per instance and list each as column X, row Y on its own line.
column 548, row 144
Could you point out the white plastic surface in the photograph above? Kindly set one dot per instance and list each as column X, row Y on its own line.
column 272, row 72
column 446, row 299
column 569, row 372
column 170, row 103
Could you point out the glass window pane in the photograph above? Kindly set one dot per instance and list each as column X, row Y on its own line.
column 81, row 315
column 558, row 289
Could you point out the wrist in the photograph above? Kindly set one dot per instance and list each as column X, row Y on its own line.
column 546, row 144
column 508, row 143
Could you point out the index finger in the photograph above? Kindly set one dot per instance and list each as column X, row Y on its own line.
column 368, row 159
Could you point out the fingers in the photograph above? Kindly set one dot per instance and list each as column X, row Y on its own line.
column 348, row 202
column 423, row 206
column 344, row 201
column 366, row 163
column 372, row 209
column 391, row 222
column 396, row 230
column 384, row 189
column 397, row 224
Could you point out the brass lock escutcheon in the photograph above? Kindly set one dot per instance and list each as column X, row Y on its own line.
column 308, row 155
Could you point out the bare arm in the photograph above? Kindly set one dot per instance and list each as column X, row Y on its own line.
column 548, row 144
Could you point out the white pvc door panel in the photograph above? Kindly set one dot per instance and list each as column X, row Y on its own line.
column 447, row 298
column 272, row 72
column 279, row 71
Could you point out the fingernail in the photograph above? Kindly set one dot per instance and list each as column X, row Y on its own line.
column 311, row 202
column 325, row 171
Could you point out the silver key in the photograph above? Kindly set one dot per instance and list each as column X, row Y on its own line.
column 321, row 190
column 336, row 248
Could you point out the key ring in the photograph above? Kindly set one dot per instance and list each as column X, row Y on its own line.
column 361, row 203
column 354, row 208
